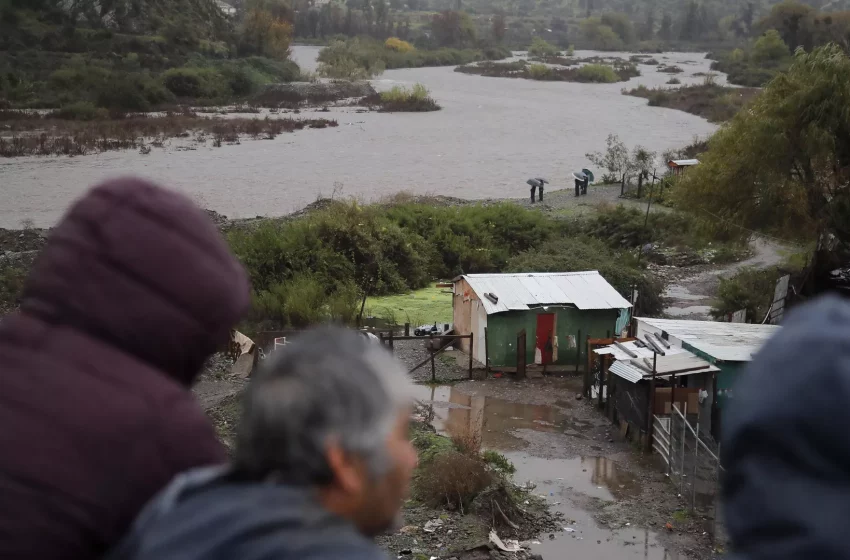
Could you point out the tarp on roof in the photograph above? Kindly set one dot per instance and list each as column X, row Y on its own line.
column 516, row 292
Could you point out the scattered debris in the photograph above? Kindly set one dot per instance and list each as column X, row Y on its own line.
column 507, row 546
column 433, row 525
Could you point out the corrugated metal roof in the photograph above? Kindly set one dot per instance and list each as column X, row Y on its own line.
column 665, row 367
column 585, row 290
column 731, row 342
column 684, row 162
column 624, row 369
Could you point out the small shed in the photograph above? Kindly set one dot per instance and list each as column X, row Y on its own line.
column 630, row 376
column 728, row 346
column 535, row 318
column 679, row 166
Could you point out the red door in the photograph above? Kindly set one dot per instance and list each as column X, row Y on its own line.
column 545, row 336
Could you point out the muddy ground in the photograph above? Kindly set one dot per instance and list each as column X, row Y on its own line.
column 614, row 500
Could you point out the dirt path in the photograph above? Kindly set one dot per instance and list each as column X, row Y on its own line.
column 691, row 296
column 615, row 503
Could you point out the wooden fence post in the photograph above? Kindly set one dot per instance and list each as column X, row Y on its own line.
column 486, row 354
column 578, row 349
column 431, row 350
column 407, row 329
column 471, row 347
column 392, row 350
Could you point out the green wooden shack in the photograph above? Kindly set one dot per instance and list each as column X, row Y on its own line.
column 535, row 318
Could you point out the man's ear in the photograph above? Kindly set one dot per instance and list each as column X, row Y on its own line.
column 347, row 470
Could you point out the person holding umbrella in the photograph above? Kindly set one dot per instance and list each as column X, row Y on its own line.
column 540, row 182
column 588, row 177
column 580, row 178
column 534, row 184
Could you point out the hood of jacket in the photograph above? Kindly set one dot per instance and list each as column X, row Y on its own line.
column 144, row 270
column 786, row 453
column 205, row 514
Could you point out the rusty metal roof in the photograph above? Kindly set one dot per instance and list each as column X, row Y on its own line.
column 522, row 291
column 730, row 342
column 683, row 162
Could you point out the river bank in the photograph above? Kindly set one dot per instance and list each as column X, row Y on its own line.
column 491, row 135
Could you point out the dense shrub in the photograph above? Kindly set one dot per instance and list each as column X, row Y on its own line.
column 751, row 289
column 598, row 73
column 362, row 58
column 396, row 44
column 80, row 111
column 203, row 83
column 540, row 47
column 415, row 99
column 453, row 479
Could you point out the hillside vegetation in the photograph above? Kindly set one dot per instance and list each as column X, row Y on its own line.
column 137, row 55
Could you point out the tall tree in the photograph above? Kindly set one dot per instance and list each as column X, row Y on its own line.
column 690, row 23
column 500, row 27
column 793, row 20
column 782, row 165
column 647, row 30
column 666, row 30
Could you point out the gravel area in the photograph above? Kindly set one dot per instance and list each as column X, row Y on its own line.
column 450, row 366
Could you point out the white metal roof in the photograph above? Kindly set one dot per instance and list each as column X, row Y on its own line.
column 665, row 367
column 730, row 342
column 518, row 292
column 684, row 162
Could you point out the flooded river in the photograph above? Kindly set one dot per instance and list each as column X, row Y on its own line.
column 492, row 135
column 533, row 437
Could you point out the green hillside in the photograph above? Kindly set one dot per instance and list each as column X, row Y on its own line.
column 135, row 55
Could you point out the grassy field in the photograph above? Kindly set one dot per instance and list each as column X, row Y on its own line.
column 420, row 307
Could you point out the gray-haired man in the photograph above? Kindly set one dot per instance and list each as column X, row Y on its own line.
column 322, row 463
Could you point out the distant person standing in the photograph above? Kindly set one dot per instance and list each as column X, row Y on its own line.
column 584, row 184
column 578, row 186
column 133, row 291
column 534, row 185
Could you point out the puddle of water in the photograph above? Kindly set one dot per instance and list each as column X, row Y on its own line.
column 495, row 419
column 597, row 477
column 682, row 293
column 691, row 310
column 582, row 537
column 561, row 482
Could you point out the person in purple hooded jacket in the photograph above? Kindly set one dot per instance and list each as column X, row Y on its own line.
column 133, row 291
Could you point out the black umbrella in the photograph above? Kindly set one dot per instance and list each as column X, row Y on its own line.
column 542, row 180
column 533, row 182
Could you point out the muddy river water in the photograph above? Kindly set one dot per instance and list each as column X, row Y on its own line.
column 565, row 483
column 492, row 135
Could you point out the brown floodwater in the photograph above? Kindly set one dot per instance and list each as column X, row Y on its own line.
column 492, row 135
column 563, row 483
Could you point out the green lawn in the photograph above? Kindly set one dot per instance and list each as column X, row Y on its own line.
column 424, row 306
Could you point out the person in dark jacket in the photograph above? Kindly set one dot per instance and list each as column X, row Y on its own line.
column 322, row 464
column 134, row 289
column 786, row 452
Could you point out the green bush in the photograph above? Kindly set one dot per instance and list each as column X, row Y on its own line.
column 203, row 83
column 498, row 462
column 540, row 47
column 751, row 289
column 305, row 300
column 597, row 73
column 539, row 71
column 80, row 111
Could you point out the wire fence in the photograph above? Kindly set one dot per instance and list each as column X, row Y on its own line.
column 693, row 464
